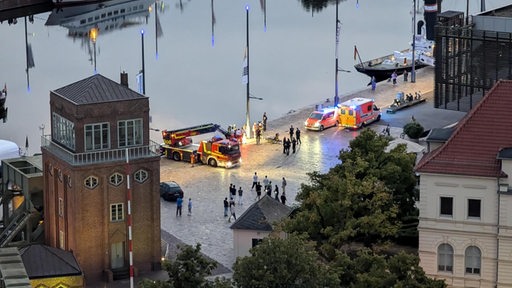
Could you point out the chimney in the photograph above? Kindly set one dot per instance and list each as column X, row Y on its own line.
column 124, row 79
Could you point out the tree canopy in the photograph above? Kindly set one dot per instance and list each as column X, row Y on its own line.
column 289, row 262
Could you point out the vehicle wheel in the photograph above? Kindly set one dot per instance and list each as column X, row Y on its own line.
column 337, row 124
column 321, row 127
column 176, row 156
column 212, row 162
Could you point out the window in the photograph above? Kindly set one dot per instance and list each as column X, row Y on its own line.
column 130, row 132
column 473, row 258
column 61, row 207
column 97, row 136
column 256, row 241
column 446, row 206
column 141, row 176
column 116, row 212
column 62, row 240
column 116, row 179
column 63, row 131
column 445, row 258
column 91, row 182
column 474, row 208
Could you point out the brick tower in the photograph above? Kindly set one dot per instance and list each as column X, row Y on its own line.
column 99, row 136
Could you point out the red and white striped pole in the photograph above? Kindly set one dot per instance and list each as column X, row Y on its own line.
column 129, row 216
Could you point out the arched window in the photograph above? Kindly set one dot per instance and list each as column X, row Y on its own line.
column 473, row 260
column 445, row 258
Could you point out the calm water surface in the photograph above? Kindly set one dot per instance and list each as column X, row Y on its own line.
column 195, row 77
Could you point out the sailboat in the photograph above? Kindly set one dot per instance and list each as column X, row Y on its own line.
column 400, row 61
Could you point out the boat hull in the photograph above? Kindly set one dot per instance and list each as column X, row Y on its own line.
column 382, row 68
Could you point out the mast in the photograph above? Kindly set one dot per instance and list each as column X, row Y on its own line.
column 336, row 69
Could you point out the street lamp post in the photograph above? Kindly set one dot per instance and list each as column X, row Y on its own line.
column 413, row 70
column 246, row 71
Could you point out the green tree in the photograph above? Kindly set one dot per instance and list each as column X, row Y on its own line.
column 188, row 270
column 369, row 269
column 413, row 130
column 395, row 168
column 289, row 262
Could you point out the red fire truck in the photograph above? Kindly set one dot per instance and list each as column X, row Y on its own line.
column 358, row 112
column 216, row 151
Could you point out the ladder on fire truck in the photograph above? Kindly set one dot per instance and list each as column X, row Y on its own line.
column 174, row 136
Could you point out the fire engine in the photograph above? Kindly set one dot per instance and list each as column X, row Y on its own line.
column 358, row 112
column 217, row 151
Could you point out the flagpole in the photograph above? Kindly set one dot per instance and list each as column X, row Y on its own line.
column 247, row 117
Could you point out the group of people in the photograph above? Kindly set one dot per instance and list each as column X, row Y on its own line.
column 267, row 186
column 292, row 141
column 179, row 206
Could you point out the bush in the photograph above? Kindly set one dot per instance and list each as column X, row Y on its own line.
column 413, row 130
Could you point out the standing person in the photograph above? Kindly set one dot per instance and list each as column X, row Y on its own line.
column 374, row 83
column 179, row 205
column 264, row 121
column 232, row 191
column 393, row 77
column 232, row 210
column 284, row 145
column 283, row 185
column 189, row 206
column 283, row 198
column 288, row 144
column 258, row 136
column 294, row 143
column 406, row 74
column 291, row 131
column 254, row 180
column 268, row 188
column 258, row 191
column 265, row 182
column 240, row 194
column 254, row 128
column 297, row 135
column 276, row 193
column 226, row 206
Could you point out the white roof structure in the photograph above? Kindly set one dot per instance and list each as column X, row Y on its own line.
column 8, row 150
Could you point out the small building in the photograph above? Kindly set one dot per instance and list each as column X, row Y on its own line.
column 465, row 206
column 256, row 223
column 59, row 268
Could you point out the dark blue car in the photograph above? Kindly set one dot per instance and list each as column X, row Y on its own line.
column 170, row 191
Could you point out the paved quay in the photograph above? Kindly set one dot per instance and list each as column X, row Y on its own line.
column 319, row 151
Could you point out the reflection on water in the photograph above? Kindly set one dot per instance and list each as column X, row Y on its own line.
column 194, row 56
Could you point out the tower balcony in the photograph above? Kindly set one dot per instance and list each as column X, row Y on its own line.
column 100, row 156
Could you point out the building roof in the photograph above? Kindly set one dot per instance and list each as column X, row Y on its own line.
column 96, row 89
column 473, row 148
column 261, row 215
column 57, row 262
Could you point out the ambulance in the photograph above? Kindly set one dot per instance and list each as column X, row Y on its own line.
column 358, row 112
column 322, row 118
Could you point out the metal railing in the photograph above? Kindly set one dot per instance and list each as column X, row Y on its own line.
column 100, row 156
